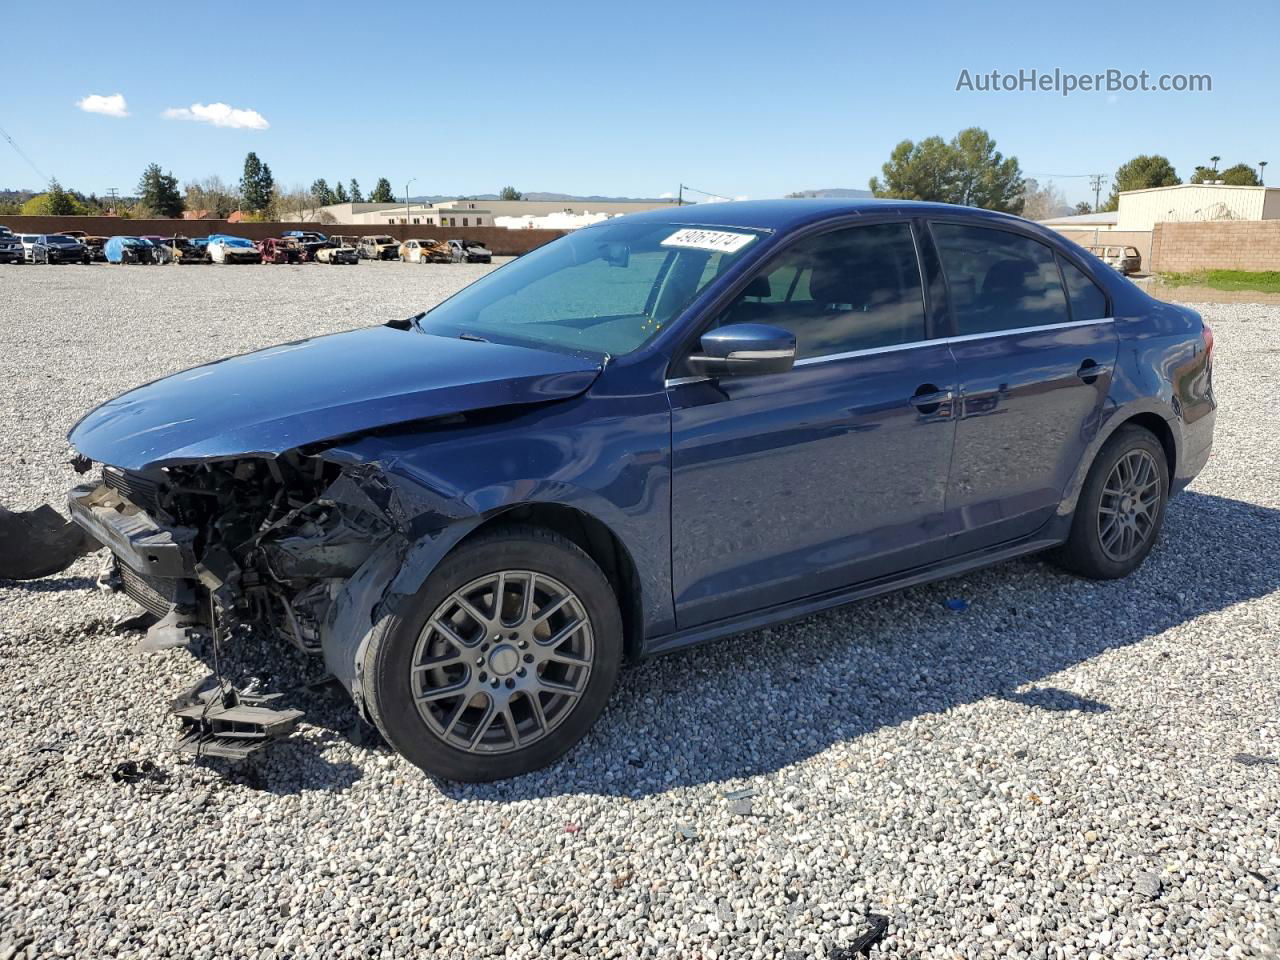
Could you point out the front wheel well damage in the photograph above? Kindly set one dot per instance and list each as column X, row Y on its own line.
column 595, row 539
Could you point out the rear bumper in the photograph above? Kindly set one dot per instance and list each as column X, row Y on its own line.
column 136, row 540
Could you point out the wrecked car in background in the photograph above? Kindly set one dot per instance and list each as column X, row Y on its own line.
column 622, row 443
column 337, row 254
column 128, row 250
column 378, row 247
column 470, row 251
column 95, row 246
column 277, row 250
column 224, row 248
column 1125, row 260
column 184, row 250
column 309, row 242
column 11, row 250
column 426, row 251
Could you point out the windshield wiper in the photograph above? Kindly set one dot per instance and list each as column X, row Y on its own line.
column 474, row 337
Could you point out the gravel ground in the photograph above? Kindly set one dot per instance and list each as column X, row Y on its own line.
column 1063, row 769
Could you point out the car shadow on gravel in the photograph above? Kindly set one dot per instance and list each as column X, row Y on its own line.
column 754, row 704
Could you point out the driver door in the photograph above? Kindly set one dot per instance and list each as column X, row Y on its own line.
column 790, row 485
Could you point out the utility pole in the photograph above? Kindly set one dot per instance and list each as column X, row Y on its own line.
column 113, row 193
column 680, row 197
column 1096, row 181
column 406, row 201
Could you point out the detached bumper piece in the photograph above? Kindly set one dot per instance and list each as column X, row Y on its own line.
column 230, row 724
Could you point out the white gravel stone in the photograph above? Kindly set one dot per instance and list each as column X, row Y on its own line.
column 1048, row 773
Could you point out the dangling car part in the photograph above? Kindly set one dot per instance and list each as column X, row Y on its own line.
column 40, row 542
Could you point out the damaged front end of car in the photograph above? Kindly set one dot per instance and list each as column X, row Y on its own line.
column 279, row 492
column 275, row 545
column 266, row 545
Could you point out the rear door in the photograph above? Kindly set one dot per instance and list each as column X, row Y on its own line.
column 1035, row 367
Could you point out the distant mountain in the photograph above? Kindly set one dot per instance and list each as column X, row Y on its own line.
column 541, row 196
column 843, row 192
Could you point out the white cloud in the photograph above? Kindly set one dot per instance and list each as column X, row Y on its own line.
column 111, row 106
column 220, row 115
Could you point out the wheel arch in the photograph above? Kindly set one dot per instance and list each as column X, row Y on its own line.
column 1148, row 416
column 597, row 540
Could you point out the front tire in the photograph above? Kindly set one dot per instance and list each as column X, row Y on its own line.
column 501, row 662
column 1121, row 508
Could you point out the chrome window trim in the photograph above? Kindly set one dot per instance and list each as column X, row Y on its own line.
column 964, row 338
column 893, row 348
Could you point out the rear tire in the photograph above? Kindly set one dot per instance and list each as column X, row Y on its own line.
column 1121, row 508
column 472, row 689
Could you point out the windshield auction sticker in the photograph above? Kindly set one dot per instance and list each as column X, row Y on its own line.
column 718, row 241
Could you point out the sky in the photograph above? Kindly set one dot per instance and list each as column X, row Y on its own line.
column 748, row 99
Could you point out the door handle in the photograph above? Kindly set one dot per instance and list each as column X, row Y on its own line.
column 928, row 399
column 1091, row 370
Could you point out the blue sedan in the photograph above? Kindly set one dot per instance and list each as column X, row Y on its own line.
column 650, row 433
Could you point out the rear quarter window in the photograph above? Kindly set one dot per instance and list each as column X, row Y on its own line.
column 1088, row 302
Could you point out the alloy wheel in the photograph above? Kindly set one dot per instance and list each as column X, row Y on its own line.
column 502, row 661
column 1130, row 505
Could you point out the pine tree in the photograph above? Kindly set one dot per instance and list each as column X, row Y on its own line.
column 356, row 195
column 382, row 192
column 158, row 192
column 339, row 194
column 257, row 185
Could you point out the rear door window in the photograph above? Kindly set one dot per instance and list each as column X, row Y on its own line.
column 1088, row 302
column 999, row 280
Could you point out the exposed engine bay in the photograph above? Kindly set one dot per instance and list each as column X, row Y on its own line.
column 267, row 544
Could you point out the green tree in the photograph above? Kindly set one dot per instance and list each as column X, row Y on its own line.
column 356, row 195
column 158, row 192
column 968, row 169
column 510, row 193
column 321, row 192
column 1240, row 175
column 54, row 202
column 382, row 192
column 1083, row 207
column 340, row 193
column 1141, row 173
column 257, row 185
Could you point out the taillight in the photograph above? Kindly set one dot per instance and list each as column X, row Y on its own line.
column 1207, row 333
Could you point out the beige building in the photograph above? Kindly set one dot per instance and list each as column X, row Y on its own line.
column 1190, row 202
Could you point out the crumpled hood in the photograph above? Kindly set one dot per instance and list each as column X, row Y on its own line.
column 274, row 400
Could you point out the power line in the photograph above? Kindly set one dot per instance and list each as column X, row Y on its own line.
column 18, row 150
column 1062, row 176
column 705, row 193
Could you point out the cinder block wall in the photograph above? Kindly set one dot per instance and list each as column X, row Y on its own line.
column 503, row 242
column 1216, row 245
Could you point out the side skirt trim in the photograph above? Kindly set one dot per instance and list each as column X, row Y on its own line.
column 807, row 606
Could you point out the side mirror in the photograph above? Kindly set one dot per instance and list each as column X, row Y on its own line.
column 745, row 349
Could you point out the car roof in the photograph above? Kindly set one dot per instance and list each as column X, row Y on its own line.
column 788, row 214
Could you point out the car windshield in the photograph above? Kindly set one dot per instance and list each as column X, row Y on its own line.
column 604, row 289
column 61, row 240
